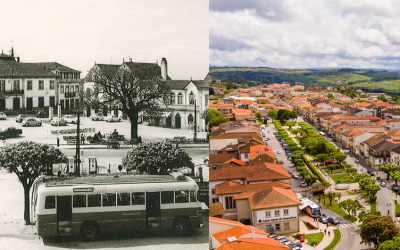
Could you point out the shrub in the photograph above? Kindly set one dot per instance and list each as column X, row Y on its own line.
column 313, row 243
column 296, row 236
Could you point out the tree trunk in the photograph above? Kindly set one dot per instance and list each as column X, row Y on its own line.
column 27, row 215
column 133, row 117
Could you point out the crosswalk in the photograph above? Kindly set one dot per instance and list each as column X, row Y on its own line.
column 348, row 225
column 301, row 189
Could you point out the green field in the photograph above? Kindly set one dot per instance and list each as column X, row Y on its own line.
column 317, row 236
column 342, row 178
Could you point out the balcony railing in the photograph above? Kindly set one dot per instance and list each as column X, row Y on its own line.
column 12, row 92
column 70, row 94
column 380, row 154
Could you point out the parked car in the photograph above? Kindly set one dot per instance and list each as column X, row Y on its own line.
column 70, row 119
column 20, row 118
column 97, row 117
column 3, row 116
column 395, row 189
column 280, row 238
column 324, row 218
column 8, row 132
column 290, row 172
column 273, row 236
column 58, row 122
column 278, row 152
column 295, row 176
column 31, row 122
column 357, row 161
column 42, row 114
column 295, row 246
column 113, row 118
column 371, row 173
column 383, row 184
column 333, row 220
column 346, row 152
column 303, row 184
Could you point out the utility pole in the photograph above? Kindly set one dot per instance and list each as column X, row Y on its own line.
column 195, row 122
column 78, row 148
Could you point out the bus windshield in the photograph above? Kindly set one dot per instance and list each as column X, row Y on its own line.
column 315, row 210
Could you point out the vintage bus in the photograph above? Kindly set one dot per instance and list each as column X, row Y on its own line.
column 94, row 205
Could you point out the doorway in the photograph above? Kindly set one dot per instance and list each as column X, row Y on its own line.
column 153, row 210
column 64, row 214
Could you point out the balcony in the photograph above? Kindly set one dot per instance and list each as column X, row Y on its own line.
column 380, row 154
column 69, row 80
column 70, row 94
column 12, row 92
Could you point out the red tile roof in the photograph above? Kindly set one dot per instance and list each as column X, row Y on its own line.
column 225, row 221
column 251, row 244
column 237, row 232
column 220, row 158
column 238, row 162
column 232, row 187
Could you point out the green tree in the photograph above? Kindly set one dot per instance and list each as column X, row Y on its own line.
column 330, row 95
column 310, row 179
column 324, row 185
column 229, row 86
column 377, row 229
column 211, row 91
column 352, row 171
column 28, row 160
column 339, row 157
column 258, row 115
column 331, row 167
column 373, row 188
column 322, row 158
column 263, row 102
column 350, row 205
column 395, row 176
column 290, row 124
column 382, row 97
column 283, row 115
column 388, row 168
column 293, row 114
column 331, row 196
column 364, row 182
column 363, row 214
column 157, row 158
column 272, row 114
column 390, row 244
column 216, row 118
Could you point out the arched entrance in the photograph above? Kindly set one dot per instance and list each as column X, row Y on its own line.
column 177, row 121
column 168, row 121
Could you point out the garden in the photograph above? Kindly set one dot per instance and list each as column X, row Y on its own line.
column 342, row 178
column 314, row 239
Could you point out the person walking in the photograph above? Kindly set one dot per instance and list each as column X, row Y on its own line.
column 325, row 231
column 390, row 203
column 388, row 212
column 329, row 233
column 387, row 203
column 324, row 201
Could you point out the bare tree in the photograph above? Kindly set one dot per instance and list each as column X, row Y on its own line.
column 135, row 89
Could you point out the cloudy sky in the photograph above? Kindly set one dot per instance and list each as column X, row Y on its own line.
column 305, row 34
column 79, row 33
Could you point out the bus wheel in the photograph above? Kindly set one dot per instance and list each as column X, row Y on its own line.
column 182, row 227
column 90, row 231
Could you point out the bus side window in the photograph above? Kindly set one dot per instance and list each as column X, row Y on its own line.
column 79, row 200
column 138, row 199
column 193, row 196
column 50, row 202
column 109, row 200
column 94, row 200
column 123, row 199
column 167, row 197
column 182, row 196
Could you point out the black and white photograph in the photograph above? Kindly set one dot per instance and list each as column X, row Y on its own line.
column 104, row 134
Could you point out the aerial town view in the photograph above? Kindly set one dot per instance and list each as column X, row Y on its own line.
column 104, row 125
column 304, row 125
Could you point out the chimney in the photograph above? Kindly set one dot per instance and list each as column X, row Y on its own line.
column 130, row 59
column 164, row 68
column 253, row 233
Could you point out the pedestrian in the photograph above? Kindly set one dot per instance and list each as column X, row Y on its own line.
column 387, row 203
column 388, row 212
column 329, row 233
column 324, row 201
column 390, row 203
column 325, row 231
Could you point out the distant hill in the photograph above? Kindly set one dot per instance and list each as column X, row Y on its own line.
column 375, row 80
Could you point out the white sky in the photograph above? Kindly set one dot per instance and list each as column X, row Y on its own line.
column 79, row 33
column 305, row 33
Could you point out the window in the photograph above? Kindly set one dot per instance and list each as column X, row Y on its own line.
column 51, row 84
column 62, row 89
column 215, row 200
column 72, row 89
column 94, row 200
column 286, row 226
column 79, row 200
column 285, row 212
column 16, row 84
column 66, row 89
column 182, row 196
column 2, row 85
column 172, row 98
column 190, row 119
column 123, row 199
column 268, row 229
column 278, row 227
column 29, row 85
column 277, row 213
column 180, row 98
column 230, row 203
column 268, row 214
column 191, row 98
column 50, row 202
column 213, row 191
column 138, row 199
column 41, row 85
column 193, row 196
column 109, row 200
column 77, row 88
column 246, row 155
column 167, row 197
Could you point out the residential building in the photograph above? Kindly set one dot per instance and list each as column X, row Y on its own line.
column 225, row 109
column 379, row 154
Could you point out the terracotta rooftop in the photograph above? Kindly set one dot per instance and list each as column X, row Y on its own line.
column 225, row 221
column 232, row 187
column 235, row 135
column 220, row 158
column 237, row 232
column 216, row 209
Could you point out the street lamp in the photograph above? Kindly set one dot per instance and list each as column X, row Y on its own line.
column 58, row 124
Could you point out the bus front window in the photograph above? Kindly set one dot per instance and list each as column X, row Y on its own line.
column 315, row 211
column 193, row 196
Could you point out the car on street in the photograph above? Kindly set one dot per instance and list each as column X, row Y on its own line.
column 371, row 173
column 278, row 152
column 324, row 218
column 395, row 189
column 383, row 184
column 20, row 118
column 357, row 161
column 290, row 172
column 346, row 152
column 303, row 184
column 8, row 132
column 3, row 116
column 333, row 220
column 58, row 122
column 97, row 117
column 268, row 138
column 273, row 236
column 70, row 119
column 31, row 122
column 41, row 114
column 295, row 176
column 280, row 238
column 295, row 246
column 267, row 131
column 113, row 118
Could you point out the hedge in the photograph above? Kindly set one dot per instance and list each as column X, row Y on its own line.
column 314, row 170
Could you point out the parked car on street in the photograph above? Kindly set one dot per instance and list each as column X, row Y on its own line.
column 70, row 119
column 278, row 152
column 58, row 122
column 8, row 132
column 303, row 184
column 371, row 173
column 97, row 117
column 383, row 184
column 295, row 176
column 395, row 189
column 20, row 118
column 113, row 118
column 267, row 131
column 290, row 172
column 3, row 116
column 42, row 114
column 324, row 218
column 333, row 220
column 31, row 122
